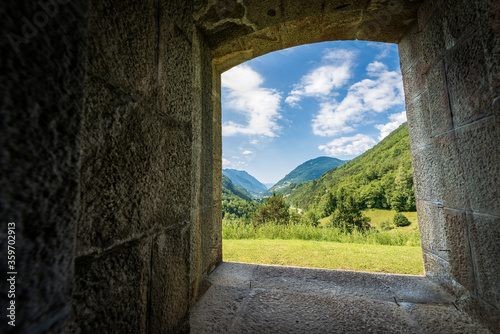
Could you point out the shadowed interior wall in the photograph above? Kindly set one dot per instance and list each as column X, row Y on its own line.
column 42, row 69
column 145, row 231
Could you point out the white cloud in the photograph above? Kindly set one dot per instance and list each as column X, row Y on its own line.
column 226, row 163
column 230, row 164
column 348, row 146
column 247, row 152
column 396, row 121
column 379, row 94
column 385, row 49
column 260, row 106
column 321, row 81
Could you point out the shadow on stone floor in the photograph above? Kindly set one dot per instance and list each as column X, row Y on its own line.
column 248, row 298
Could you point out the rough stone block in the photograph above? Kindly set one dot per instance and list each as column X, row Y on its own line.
column 111, row 291
column 480, row 156
column 426, row 174
column 485, row 240
column 175, row 73
column 419, row 124
column 410, row 49
column 433, row 41
column 456, row 226
column 414, row 80
column 489, row 20
column 439, row 105
column 433, row 229
column 476, row 307
column 468, row 82
column 170, row 281
column 455, row 193
column 425, row 13
column 114, row 167
column 436, row 268
column 167, row 198
column 124, row 53
column 459, row 19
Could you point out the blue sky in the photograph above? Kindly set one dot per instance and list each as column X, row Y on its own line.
column 333, row 99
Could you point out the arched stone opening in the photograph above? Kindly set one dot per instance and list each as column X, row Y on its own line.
column 134, row 171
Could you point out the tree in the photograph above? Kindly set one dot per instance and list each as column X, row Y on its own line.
column 328, row 205
column 347, row 216
column 310, row 218
column 400, row 220
column 273, row 210
column 403, row 196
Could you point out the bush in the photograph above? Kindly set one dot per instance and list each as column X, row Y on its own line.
column 400, row 220
column 386, row 225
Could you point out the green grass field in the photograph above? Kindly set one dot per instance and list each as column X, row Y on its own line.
column 325, row 254
column 396, row 251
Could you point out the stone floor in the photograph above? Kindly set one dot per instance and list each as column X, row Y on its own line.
column 247, row 298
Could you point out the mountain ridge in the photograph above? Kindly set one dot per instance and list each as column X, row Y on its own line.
column 242, row 179
column 306, row 171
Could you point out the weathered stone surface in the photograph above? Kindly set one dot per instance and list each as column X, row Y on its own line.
column 455, row 194
column 438, row 319
column 415, row 80
column 485, row 240
column 246, row 298
column 457, row 233
column 410, row 49
column 439, row 104
column 175, row 73
column 433, row 229
column 111, row 291
column 122, row 44
column 459, row 19
column 481, row 161
column 419, row 123
column 437, row 268
column 42, row 74
column 235, row 29
column 426, row 174
column 468, row 82
column 489, row 20
column 433, row 41
column 170, row 281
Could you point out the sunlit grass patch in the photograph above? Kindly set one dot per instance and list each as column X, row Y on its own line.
column 328, row 255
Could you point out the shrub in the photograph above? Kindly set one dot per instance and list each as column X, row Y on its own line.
column 386, row 225
column 400, row 220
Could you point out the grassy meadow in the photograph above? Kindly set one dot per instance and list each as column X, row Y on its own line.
column 390, row 251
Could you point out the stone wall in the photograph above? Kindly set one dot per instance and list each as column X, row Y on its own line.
column 450, row 66
column 145, row 236
column 42, row 69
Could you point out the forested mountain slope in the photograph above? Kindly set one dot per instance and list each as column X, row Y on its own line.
column 379, row 178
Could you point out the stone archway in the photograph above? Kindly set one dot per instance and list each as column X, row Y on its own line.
column 112, row 135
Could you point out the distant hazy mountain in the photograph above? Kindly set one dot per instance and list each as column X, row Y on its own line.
column 229, row 190
column 242, row 179
column 309, row 170
column 268, row 185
